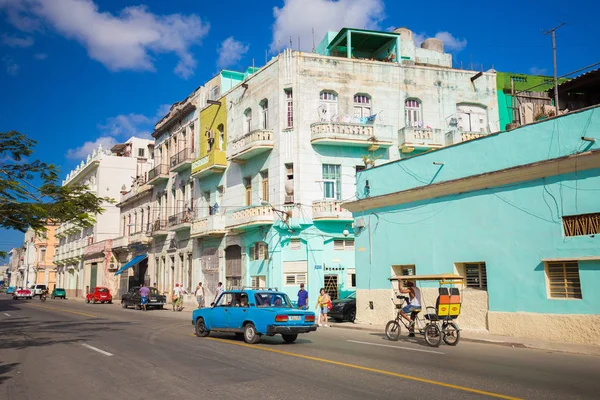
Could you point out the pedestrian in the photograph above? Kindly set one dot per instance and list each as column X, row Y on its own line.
column 219, row 292
column 200, row 295
column 323, row 306
column 177, row 297
column 145, row 293
column 302, row 298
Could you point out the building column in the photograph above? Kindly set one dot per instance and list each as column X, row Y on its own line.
column 349, row 44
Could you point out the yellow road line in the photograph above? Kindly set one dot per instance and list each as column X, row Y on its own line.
column 64, row 310
column 377, row 371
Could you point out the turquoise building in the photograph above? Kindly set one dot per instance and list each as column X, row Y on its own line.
column 517, row 213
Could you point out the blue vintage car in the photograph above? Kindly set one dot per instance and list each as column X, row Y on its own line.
column 11, row 290
column 253, row 313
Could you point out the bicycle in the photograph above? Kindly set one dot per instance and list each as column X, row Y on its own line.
column 43, row 296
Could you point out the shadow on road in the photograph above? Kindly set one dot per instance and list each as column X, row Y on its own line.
column 5, row 369
column 418, row 339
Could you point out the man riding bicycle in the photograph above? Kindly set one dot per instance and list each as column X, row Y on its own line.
column 413, row 303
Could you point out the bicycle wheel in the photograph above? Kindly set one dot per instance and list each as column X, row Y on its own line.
column 451, row 333
column 433, row 335
column 392, row 330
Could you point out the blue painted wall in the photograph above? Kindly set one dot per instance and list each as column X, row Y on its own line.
column 510, row 228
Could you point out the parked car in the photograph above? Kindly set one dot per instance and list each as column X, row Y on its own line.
column 344, row 309
column 58, row 292
column 37, row 289
column 133, row 299
column 23, row 293
column 253, row 313
column 11, row 289
column 99, row 294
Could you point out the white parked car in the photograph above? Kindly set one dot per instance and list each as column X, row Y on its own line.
column 37, row 289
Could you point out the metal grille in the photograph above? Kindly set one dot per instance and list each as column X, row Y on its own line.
column 331, row 286
column 476, row 275
column 563, row 280
column 581, row 225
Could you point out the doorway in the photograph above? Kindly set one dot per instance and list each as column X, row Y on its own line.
column 331, row 286
column 233, row 266
column 93, row 275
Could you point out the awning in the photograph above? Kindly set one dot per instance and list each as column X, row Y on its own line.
column 136, row 260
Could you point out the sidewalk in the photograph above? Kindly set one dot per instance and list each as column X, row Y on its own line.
column 483, row 337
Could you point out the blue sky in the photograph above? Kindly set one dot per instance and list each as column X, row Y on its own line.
column 75, row 73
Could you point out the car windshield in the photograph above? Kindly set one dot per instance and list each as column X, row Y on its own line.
column 59, row 289
column 101, row 289
column 154, row 291
column 272, row 300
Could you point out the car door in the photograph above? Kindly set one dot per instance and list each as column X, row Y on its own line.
column 236, row 316
column 135, row 297
column 218, row 317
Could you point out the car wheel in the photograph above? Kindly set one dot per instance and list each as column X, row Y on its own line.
column 87, row 300
column 250, row 335
column 352, row 315
column 201, row 330
column 290, row 338
column 110, row 302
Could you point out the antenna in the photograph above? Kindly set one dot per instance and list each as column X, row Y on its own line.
column 552, row 32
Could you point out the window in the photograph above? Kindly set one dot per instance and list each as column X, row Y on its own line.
column 471, row 118
column 259, row 281
column 265, row 185
column 248, row 186
column 581, row 225
column 332, row 184
column 295, row 279
column 412, row 110
column 129, row 225
column 343, row 244
column 221, row 130
column 141, row 153
column 474, row 273
column 359, row 168
column 289, row 184
column 215, row 92
column 226, row 300
column 259, row 251
column 295, row 244
column 563, row 280
column 351, row 278
column 403, row 270
column 248, row 123
column 42, row 254
column 295, row 272
column 272, row 300
column 264, row 114
column 328, row 109
column 289, row 101
column 362, row 106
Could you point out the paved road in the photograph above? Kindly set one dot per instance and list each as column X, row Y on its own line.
column 71, row 350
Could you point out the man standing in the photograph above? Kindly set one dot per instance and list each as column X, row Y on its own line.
column 145, row 293
column 219, row 292
column 177, row 297
column 200, row 295
column 302, row 298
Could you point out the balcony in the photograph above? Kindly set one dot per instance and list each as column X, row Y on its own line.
column 455, row 137
column 412, row 139
column 182, row 160
column 140, row 238
column 180, row 221
column 249, row 217
column 159, row 227
column 120, row 243
column 212, row 225
column 158, row 174
column 213, row 162
column 251, row 144
column 330, row 210
column 351, row 134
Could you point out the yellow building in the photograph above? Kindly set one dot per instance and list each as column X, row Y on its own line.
column 44, row 245
column 213, row 140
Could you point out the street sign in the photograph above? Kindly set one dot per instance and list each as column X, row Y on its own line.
column 318, row 267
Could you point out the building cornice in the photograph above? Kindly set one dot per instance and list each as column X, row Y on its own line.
column 507, row 176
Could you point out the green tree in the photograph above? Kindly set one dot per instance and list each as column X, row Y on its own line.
column 31, row 194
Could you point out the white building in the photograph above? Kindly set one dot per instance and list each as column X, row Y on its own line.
column 83, row 254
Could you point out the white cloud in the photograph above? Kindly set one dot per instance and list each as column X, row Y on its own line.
column 88, row 147
column 451, row 43
column 40, row 56
column 126, row 41
column 538, row 71
column 297, row 18
column 138, row 125
column 12, row 68
column 231, row 52
column 16, row 41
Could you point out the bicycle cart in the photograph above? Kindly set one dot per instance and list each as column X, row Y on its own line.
column 439, row 322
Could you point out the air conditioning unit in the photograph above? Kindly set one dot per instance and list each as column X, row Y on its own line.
column 210, row 135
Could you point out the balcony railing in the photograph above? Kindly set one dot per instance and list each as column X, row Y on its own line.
column 330, row 210
column 252, row 144
column 120, row 242
column 180, row 221
column 159, row 227
column 250, row 216
column 211, row 225
column 456, row 136
column 158, row 173
column 419, row 138
column 351, row 134
column 182, row 160
column 213, row 162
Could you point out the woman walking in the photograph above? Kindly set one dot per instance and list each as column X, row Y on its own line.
column 323, row 306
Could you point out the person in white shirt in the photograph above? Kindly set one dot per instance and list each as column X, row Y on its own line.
column 414, row 303
column 200, row 295
column 178, row 297
column 219, row 292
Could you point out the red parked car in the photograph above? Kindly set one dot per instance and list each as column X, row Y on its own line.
column 99, row 295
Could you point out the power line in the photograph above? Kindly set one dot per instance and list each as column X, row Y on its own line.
column 552, row 32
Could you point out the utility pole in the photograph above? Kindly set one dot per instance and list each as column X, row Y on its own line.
column 552, row 32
